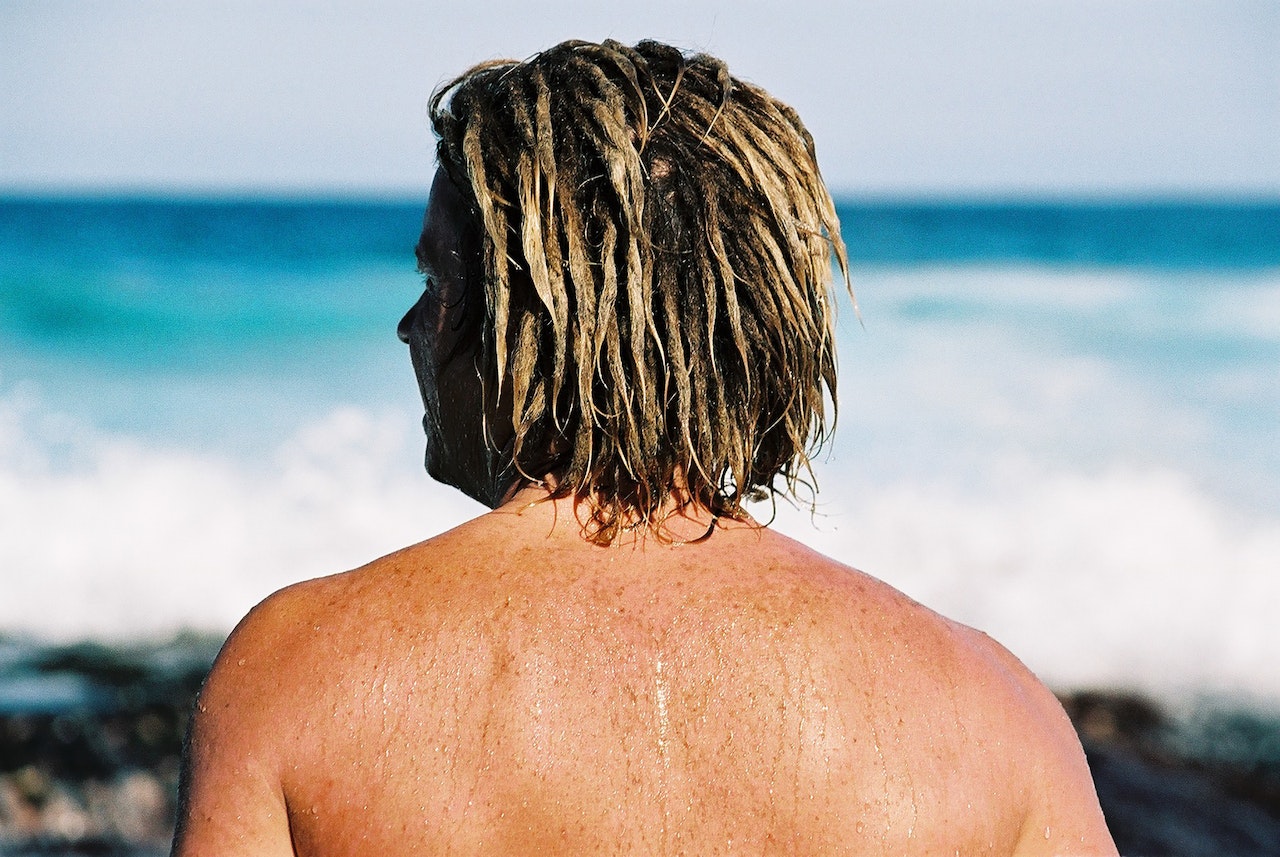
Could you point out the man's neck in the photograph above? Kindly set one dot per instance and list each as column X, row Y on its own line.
column 680, row 521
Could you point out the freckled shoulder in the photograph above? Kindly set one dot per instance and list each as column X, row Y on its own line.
column 1028, row 734
column 243, row 728
column 958, row 722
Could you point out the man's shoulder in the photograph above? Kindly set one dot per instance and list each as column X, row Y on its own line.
column 884, row 624
column 447, row 557
column 885, row 615
column 295, row 622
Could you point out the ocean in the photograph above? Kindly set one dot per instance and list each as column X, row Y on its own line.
column 1058, row 422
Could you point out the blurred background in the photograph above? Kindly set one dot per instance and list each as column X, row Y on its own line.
column 1058, row 405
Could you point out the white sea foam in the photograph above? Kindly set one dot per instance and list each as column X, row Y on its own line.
column 132, row 540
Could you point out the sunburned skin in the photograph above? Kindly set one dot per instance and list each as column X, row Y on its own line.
column 510, row 688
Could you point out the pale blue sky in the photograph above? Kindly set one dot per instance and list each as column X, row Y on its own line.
column 904, row 97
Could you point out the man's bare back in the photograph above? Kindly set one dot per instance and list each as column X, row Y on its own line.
column 510, row 688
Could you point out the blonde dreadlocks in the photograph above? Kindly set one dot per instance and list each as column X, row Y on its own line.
column 656, row 274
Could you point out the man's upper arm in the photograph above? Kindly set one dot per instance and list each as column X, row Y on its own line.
column 232, row 801
column 1065, row 817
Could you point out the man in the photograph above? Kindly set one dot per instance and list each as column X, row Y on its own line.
column 625, row 334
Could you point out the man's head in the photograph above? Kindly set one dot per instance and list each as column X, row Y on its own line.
column 653, row 319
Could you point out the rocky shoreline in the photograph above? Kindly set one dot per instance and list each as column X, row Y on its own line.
column 91, row 743
column 1205, row 784
column 91, row 738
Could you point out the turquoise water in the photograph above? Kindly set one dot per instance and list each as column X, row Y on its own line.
column 1058, row 421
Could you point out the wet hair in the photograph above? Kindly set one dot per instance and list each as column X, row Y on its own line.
column 656, row 267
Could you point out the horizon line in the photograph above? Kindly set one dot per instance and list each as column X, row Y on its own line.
column 1261, row 198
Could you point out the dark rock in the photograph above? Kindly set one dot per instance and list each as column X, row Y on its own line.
column 1152, row 810
column 95, row 772
column 1204, row 785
